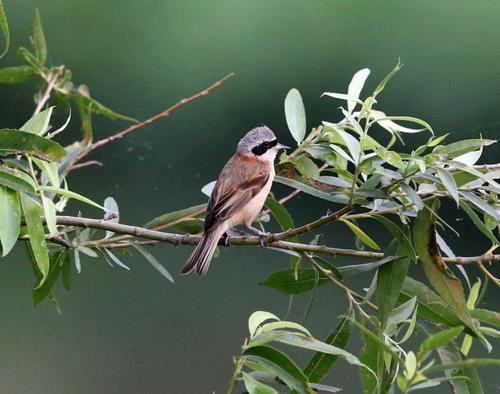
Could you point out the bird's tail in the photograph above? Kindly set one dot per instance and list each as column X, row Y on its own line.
column 202, row 255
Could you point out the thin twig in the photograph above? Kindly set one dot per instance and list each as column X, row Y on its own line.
column 493, row 278
column 154, row 118
column 46, row 96
column 86, row 164
column 187, row 239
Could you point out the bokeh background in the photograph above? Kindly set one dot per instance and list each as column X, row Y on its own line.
column 132, row 331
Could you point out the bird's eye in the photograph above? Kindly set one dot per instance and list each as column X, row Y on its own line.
column 267, row 145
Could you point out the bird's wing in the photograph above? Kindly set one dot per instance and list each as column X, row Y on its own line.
column 239, row 181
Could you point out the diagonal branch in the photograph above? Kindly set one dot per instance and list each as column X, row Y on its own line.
column 154, row 118
column 182, row 239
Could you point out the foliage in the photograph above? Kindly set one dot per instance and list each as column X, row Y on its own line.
column 358, row 164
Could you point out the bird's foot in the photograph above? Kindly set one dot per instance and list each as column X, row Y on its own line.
column 262, row 235
column 225, row 239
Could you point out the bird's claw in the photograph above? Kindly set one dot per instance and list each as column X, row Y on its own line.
column 225, row 239
column 262, row 238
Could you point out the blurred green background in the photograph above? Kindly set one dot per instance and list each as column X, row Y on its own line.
column 132, row 331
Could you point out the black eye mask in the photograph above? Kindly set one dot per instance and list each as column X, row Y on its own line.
column 262, row 148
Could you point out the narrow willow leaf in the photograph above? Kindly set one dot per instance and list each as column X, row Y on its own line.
column 5, row 29
column 49, row 211
column 321, row 363
column 280, row 365
column 448, row 182
column 15, row 182
column 111, row 208
column 390, row 278
column 38, row 38
column 397, row 232
column 380, row 87
column 351, row 143
column 472, row 385
column 295, row 115
column 340, row 198
column 440, row 339
column 324, row 388
column 478, row 222
column 39, row 123
column 280, row 213
column 370, row 357
column 430, row 305
column 481, row 204
column 253, row 386
column 334, row 181
column 343, row 96
column 361, row 235
column 413, row 196
column 257, row 318
column 295, row 281
column 355, row 87
column 306, row 166
column 486, row 316
column 459, row 148
column 487, row 176
column 16, row 141
column 87, row 103
column 356, row 269
column 32, row 214
column 76, row 256
column 471, row 158
column 171, row 218
column 387, row 123
column 280, row 325
column 56, row 262
column 50, row 172
column 10, row 219
column 17, row 74
column 116, row 260
column 70, row 194
column 438, row 274
column 469, row 363
column 154, row 262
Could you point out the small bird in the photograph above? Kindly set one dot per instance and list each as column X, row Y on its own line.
column 238, row 195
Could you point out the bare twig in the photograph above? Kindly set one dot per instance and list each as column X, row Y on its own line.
column 46, row 96
column 154, row 118
column 186, row 239
column 86, row 164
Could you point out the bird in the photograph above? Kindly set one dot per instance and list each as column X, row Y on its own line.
column 238, row 195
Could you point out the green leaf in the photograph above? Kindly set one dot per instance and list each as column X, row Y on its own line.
column 461, row 147
column 386, row 79
column 18, row 74
column 38, row 38
column 16, row 141
column 70, row 194
column 32, row 214
column 397, row 232
column 188, row 226
column 280, row 213
column 154, row 262
column 438, row 274
column 448, row 182
column 57, row 260
column 15, row 182
column 430, row 305
column 481, row 204
column 438, row 340
column 370, row 357
column 280, row 365
column 295, row 115
column 387, row 123
column 49, row 210
column 478, row 222
column 469, row 363
column 115, row 259
column 5, row 29
column 402, row 312
column 257, row 318
column 253, row 386
column 10, row 218
column 321, row 363
column 349, row 141
column 280, row 325
column 486, row 316
column 84, row 100
column 295, row 281
column 171, row 218
column 355, row 87
column 340, row 198
column 356, row 269
column 49, row 168
column 39, row 123
column 390, row 279
column 306, row 166
column 413, row 196
column 361, row 235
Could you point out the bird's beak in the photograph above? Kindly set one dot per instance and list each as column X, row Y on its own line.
column 281, row 146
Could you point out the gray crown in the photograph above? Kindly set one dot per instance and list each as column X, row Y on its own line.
column 253, row 138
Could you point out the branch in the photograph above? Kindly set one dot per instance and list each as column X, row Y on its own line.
column 183, row 239
column 154, row 118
